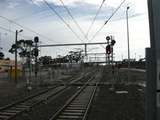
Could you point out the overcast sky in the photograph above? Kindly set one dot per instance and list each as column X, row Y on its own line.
column 35, row 14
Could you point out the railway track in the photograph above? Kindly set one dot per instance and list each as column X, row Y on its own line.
column 77, row 107
column 12, row 110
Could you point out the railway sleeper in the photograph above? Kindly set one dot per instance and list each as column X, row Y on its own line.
column 69, row 117
column 7, row 113
column 74, row 111
column 76, row 105
column 72, row 114
column 11, row 111
column 4, row 117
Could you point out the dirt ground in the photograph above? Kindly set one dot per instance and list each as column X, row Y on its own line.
column 124, row 102
column 11, row 92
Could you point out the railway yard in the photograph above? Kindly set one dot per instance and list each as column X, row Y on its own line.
column 79, row 60
column 94, row 93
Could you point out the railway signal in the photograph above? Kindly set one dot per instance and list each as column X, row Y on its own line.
column 108, row 38
column 109, row 52
column 36, row 39
column 110, row 44
column 113, row 42
column 108, row 49
column 36, row 53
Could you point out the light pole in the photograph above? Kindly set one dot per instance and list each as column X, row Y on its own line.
column 0, row 41
column 16, row 37
column 128, row 42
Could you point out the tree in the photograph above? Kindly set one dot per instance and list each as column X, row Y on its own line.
column 7, row 58
column 1, row 55
column 75, row 56
column 23, row 48
column 45, row 60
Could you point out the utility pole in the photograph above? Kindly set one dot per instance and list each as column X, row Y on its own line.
column 0, row 41
column 128, row 44
column 108, row 50
column 29, row 87
column 15, row 70
column 16, row 37
column 36, row 52
column 112, row 49
column 85, row 49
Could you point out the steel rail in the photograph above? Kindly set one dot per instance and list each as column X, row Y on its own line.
column 20, row 101
column 14, row 109
column 11, row 111
column 61, row 111
column 90, row 102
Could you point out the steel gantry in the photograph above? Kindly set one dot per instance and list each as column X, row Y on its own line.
column 74, row 44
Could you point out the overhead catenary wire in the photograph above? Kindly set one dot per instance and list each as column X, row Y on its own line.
column 95, row 17
column 62, row 19
column 12, row 21
column 8, row 30
column 49, row 6
column 11, row 31
column 107, row 20
column 58, row 48
column 67, row 11
column 70, row 14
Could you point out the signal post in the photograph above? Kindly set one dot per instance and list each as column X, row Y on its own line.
column 109, row 49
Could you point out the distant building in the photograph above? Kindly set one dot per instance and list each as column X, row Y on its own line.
column 6, row 65
column 131, row 60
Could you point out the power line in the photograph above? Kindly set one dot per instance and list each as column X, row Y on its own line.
column 26, row 28
column 61, row 18
column 94, row 19
column 11, row 31
column 108, row 20
column 8, row 30
column 76, row 23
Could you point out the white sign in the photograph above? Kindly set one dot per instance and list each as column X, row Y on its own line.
column 158, row 74
column 158, row 99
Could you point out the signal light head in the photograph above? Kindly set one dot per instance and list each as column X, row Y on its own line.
column 113, row 42
column 108, row 49
column 36, row 39
column 108, row 38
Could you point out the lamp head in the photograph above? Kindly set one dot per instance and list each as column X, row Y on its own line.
column 21, row 30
